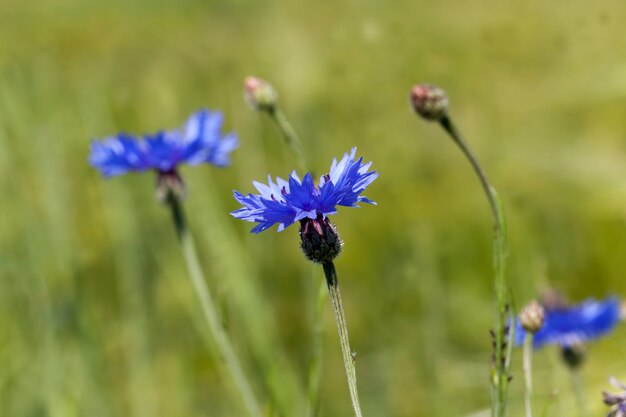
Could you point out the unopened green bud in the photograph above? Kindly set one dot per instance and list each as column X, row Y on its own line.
column 531, row 317
column 429, row 101
column 259, row 94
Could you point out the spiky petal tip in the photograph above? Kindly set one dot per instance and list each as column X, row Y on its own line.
column 285, row 202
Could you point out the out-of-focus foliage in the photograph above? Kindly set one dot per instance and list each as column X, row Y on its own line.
column 97, row 316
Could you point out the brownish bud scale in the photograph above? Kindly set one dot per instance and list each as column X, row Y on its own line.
column 574, row 355
column 319, row 239
column 429, row 101
column 531, row 317
column 259, row 94
column 169, row 185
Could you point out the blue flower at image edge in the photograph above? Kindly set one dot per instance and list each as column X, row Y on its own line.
column 286, row 202
column 199, row 141
column 567, row 326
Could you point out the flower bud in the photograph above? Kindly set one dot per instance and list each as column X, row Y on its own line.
column 531, row 317
column 169, row 185
column 622, row 311
column 429, row 101
column 259, row 94
column 319, row 239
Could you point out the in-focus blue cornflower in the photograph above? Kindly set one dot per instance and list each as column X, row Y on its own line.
column 199, row 141
column 285, row 202
column 568, row 326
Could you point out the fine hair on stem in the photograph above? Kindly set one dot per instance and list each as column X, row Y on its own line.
column 348, row 359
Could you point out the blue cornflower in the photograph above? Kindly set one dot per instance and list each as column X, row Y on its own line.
column 569, row 326
column 199, row 141
column 616, row 401
column 285, row 202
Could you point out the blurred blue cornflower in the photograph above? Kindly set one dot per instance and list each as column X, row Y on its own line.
column 199, row 141
column 569, row 326
column 616, row 401
column 286, row 202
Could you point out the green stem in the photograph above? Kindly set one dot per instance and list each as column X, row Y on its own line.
column 315, row 367
column 499, row 380
column 314, row 375
column 447, row 124
column 222, row 341
column 340, row 318
column 528, row 378
column 579, row 392
column 546, row 408
column 291, row 137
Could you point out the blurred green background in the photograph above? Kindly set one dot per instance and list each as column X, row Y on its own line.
column 97, row 315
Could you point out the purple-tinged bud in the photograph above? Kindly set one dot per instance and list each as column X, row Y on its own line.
column 319, row 239
column 429, row 101
column 259, row 94
column 622, row 311
column 169, row 185
column 531, row 317
column 574, row 355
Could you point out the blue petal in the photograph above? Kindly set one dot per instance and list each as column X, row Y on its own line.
column 577, row 324
column 349, row 179
column 199, row 141
column 302, row 195
column 286, row 202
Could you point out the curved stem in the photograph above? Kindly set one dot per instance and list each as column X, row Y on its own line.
column 340, row 318
column 222, row 341
column 528, row 378
column 290, row 136
column 447, row 124
column 500, row 376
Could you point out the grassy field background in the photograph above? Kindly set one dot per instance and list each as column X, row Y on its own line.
column 97, row 315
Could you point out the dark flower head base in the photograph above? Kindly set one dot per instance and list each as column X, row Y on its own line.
column 286, row 202
column 199, row 141
column 574, row 355
column 574, row 325
column 170, row 185
column 319, row 239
